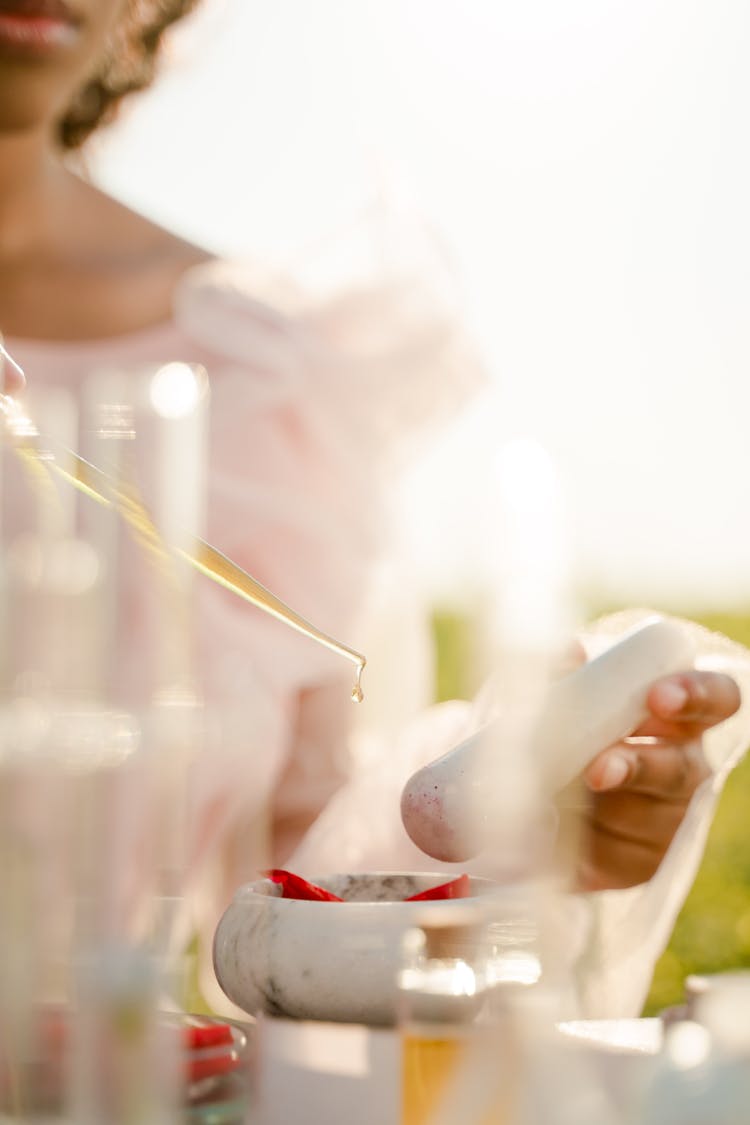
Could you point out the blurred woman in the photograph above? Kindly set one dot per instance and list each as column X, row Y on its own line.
column 312, row 405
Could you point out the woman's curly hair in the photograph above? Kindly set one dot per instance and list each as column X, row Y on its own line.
column 129, row 65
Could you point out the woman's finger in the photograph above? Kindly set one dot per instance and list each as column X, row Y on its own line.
column 666, row 771
column 697, row 699
column 611, row 861
column 628, row 828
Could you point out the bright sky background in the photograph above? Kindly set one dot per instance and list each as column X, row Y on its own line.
column 586, row 164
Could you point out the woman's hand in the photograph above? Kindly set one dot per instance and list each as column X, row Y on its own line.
column 12, row 379
column 638, row 791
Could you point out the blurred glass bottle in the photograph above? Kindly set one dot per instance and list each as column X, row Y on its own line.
column 507, row 1063
column 450, row 1025
column 702, row 1076
column 93, row 787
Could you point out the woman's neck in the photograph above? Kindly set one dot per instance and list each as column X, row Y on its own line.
column 32, row 183
column 75, row 263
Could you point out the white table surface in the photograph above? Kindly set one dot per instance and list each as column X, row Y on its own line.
column 323, row 1074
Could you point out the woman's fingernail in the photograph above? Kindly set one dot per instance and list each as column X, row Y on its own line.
column 616, row 769
column 673, row 697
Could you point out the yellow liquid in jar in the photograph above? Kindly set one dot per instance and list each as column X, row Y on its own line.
column 429, row 1066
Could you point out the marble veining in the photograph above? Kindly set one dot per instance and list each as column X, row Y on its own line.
column 321, row 960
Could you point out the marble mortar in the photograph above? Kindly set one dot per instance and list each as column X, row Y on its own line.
column 329, row 961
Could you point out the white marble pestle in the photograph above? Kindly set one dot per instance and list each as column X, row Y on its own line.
column 449, row 806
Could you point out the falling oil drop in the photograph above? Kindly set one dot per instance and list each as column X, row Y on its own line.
column 357, row 693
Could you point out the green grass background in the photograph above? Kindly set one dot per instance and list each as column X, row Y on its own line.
column 712, row 932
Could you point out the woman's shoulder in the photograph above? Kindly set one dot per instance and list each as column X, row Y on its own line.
column 139, row 262
column 123, row 235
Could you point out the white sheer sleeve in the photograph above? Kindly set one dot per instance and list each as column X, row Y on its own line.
column 628, row 930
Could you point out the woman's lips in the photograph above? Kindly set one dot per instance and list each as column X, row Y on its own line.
column 36, row 26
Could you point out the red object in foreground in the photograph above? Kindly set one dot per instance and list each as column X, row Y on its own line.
column 208, row 1049
column 457, row 888
column 294, row 886
column 197, row 1035
column 211, row 1049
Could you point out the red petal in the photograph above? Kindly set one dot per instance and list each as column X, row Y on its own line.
column 457, row 888
column 294, row 886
